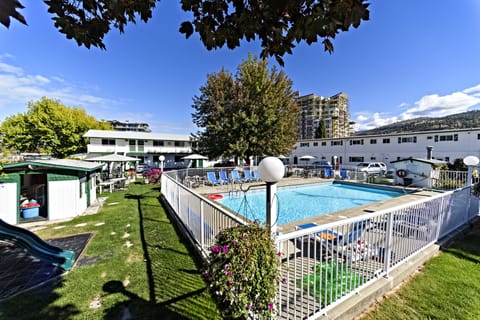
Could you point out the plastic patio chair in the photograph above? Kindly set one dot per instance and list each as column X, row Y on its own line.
column 212, row 178
column 236, row 177
column 328, row 173
column 343, row 174
column 224, row 177
column 347, row 245
column 249, row 176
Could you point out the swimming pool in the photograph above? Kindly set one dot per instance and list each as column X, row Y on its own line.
column 300, row 202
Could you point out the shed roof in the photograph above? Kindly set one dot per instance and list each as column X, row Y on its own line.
column 433, row 162
column 69, row 164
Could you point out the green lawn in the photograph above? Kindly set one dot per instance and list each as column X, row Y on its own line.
column 447, row 288
column 143, row 269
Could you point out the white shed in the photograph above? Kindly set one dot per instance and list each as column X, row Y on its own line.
column 417, row 172
column 60, row 189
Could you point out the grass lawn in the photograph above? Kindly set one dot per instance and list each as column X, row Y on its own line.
column 140, row 268
column 447, row 288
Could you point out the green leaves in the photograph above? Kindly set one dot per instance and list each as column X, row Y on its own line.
column 251, row 114
column 243, row 272
column 50, row 127
column 277, row 24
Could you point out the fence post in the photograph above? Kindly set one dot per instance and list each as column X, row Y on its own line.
column 387, row 255
column 202, row 229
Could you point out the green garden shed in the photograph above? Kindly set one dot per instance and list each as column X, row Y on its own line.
column 47, row 189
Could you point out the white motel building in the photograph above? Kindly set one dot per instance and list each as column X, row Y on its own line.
column 146, row 146
column 447, row 145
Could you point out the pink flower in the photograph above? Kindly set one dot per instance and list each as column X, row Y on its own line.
column 226, row 267
column 215, row 249
column 279, row 254
column 229, row 273
column 270, row 306
column 249, row 306
column 225, row 248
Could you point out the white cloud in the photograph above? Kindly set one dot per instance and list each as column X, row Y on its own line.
column 432, row 105
column 17, row 88
column 438, row 106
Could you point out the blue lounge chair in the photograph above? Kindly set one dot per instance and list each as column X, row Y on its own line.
column 328, row 173
column 212, row 178
column 224, row 177
column 344, row 174
column 348, row 246
column 249, row 176
column 236, row 177
column 256, row 174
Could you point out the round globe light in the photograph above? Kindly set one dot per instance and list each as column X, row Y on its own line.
column 271, row 169
column 161, row 158
column 471, row 160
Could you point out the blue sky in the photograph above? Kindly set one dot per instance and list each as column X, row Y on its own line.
column 412, row 58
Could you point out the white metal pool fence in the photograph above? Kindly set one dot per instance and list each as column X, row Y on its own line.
column 324, row 265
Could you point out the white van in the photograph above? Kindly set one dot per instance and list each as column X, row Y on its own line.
column 372, row 167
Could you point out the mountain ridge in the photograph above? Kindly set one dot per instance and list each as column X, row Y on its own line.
column 464, row 120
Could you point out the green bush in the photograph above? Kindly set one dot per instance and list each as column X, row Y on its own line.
column 244, row 273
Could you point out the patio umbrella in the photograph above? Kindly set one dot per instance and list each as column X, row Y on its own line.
column 306, row 158
column 195, row 156
column 191, row 157
column 111, row 158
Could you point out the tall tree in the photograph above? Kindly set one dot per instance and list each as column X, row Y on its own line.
column 252, row 113
column 50, row 127
column 321, row 131
column 278, row 24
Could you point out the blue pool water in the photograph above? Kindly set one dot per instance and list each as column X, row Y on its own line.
column 300, row 202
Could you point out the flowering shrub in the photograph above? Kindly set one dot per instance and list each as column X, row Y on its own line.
column 243, row 272
column 153, row 175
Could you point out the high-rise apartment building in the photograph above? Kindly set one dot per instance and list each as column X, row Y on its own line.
column 333, row 112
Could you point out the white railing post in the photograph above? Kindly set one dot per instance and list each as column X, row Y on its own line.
column 202, row 224
column 387, row 253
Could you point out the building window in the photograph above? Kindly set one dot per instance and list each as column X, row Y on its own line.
column 407, row 139
column 315, row 144
column 355, row 159
column 373, row 141
column 478, row 136
column 386, row 140
column 179, row 143
column 158, row 143
column 447, row 159
column 451, row 137
column 336, row 143
column 356, row 142
column 429, row 138
column 108, row 142
column 325, row 143
column 304, row 144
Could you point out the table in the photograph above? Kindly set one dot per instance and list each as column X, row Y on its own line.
column 107, row 183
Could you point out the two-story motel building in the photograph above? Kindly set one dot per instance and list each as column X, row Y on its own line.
column 448, row 145
column 146, row 146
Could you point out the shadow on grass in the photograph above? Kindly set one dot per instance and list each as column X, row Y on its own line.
column 175, row 287
column 467, row 248
column 38, row 303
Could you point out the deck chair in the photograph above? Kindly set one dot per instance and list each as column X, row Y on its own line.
column 224, row 177
column 343, row 174
column 413, row 224
column 348, row 246
column 249, row 176
column 236, row 177
column 256, row 175
column 212, row 179
column 328, row 173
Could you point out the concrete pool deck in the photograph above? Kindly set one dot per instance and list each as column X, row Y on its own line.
column 412, row 194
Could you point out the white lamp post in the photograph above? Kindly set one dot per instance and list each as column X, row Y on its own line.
column 470, row 161
column 161, row 158
column 334, row 163
column 271, row 170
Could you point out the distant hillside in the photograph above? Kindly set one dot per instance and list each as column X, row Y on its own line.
column 470, row 119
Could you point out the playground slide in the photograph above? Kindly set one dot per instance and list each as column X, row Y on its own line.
column 36, row 246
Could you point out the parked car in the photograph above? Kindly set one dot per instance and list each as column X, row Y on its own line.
column 372, row 167
column 142, row 167
column 320, row 165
